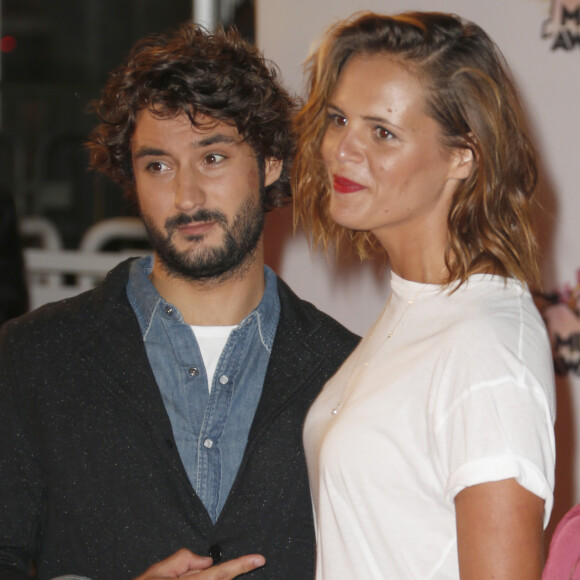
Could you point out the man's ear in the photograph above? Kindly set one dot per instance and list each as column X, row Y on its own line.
column 272, row 170
column 462, row 163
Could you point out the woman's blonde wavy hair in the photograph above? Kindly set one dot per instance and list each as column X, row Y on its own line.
column 470, row 93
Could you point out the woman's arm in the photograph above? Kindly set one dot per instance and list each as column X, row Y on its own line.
column 499, row 532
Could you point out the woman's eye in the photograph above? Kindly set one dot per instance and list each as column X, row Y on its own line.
column 383, row 134
column 214, row 158
column 337, row 120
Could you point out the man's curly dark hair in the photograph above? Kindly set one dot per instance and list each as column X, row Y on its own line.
column 195, row 72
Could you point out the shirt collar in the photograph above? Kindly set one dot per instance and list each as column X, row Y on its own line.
column 146, row 301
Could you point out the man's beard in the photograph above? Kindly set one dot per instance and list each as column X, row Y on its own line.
column 237, row 251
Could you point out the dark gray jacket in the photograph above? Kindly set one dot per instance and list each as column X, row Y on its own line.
column 91, row 482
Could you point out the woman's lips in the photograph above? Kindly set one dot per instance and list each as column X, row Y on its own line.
column 344, row 185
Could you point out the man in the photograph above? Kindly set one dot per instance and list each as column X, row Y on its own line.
column 156, row 420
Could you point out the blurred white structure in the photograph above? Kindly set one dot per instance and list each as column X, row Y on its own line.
column 54, row 273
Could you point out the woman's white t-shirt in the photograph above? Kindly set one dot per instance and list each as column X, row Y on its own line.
column 462, row 393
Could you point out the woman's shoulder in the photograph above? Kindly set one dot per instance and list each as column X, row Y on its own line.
column 493, row 305
column 494, row 319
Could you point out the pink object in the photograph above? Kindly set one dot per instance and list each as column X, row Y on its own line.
column 564, row 557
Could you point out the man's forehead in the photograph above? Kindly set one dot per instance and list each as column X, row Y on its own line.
column 208, row 123
column 200, row 123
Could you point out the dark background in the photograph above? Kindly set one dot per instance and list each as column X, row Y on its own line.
column 55, row 58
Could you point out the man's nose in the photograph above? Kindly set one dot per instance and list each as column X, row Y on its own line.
column 189, row 192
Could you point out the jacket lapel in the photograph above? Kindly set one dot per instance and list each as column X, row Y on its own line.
column 123, row 368
column 293, row 361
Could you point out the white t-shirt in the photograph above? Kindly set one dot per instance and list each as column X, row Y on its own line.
column 211, row 341
column 461, row 394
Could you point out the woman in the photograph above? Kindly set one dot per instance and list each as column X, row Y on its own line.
column 431, row 451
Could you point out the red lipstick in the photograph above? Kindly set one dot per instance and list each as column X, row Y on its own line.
column 344, row 185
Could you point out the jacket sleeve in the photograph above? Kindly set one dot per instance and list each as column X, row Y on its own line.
column 21, row 487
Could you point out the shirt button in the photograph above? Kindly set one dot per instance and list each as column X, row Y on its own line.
column 208, row 443
column 224, row 379
column 193, row 371
column 169, row 311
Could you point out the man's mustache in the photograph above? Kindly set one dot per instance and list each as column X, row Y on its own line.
column 201, row 215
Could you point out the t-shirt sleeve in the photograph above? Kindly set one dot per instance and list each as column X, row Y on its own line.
column 492, row 413
column 499, row 430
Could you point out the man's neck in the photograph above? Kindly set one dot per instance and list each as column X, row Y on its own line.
column 224, row 302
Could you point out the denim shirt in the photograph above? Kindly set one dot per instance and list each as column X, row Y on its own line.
column 210, row 426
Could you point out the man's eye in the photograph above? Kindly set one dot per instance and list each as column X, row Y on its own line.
column 156, row 167
column 214, row 158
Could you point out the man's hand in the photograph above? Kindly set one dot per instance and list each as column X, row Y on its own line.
column 185, row 563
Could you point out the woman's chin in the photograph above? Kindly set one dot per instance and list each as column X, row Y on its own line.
column 344, row 217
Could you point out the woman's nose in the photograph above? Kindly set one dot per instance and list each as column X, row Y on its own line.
column 348, row 147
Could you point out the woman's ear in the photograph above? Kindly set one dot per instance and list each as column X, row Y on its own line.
column 462, row 163
column 272, row 170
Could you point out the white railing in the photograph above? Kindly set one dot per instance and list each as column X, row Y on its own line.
column 54, row 273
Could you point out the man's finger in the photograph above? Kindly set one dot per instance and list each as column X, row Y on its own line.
column 177, row 565
column 231, row 569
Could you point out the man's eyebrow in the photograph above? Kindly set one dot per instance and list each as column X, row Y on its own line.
column 205, row 142
column 213, row 139
column 148, row 152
